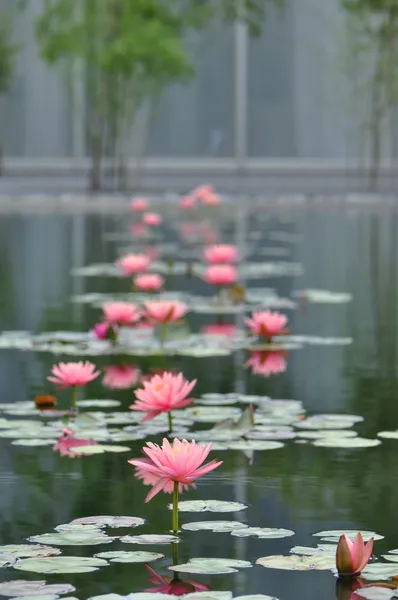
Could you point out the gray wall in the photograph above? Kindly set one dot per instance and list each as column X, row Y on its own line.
column 300, row 95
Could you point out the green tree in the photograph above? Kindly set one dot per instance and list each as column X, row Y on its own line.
column 7, row 54
column 375, row 34
column 129, row 51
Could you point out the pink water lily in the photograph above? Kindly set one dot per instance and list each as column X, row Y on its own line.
column 139, row 204
column 151, row 479
column 152, row 219
column 165, row 311
column 187, row 202
column 180, row 462
column 121, row 313
column 73, row 374
column 221, row 253
column 133, row 263
column 104, row 331
column 162, row 394
column 267, row 324
column 149, row 282
column 267, row 363
column 221, row 275
column 174, row 587
column 201, row 191
column 68, row 441
column 352, row 557
column 120, row 377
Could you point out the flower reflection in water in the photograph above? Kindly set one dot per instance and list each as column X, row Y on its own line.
column 219, row 329
column 120, row 377
column 268, row 362
column 68, row 441
column 176, row 586
column 347, row 587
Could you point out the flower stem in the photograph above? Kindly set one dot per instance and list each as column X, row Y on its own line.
column 170, row 416
column 175, row 558
column 175, row 508
column 74, row 398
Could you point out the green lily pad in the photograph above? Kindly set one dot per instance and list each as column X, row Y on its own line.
column 92, row 537
column 355, row 442
column 109, row 521
column 334, row 535
column 388, row 435
column 99, row 449
column 377, row 593
column 327, row 433
column 391, row 558
column 27, row 550
column 208, row 595
column 38, row 597
column 61, row 564
column 99, row 403
column 22, row 588
column 262, row 532
column 209, row 506
column 320, row 549
column 149, row 539
column 216, row 526
column 34, row 442
column 323, row 296
column 211, row 566
column 376, row 571
column 295, row 562
column 328, row 422
column 256, row 597
column 130, row 557
column 255, row 445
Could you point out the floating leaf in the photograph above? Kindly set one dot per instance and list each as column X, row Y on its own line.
column 321, row 550
column 375, row 571
column 391, row 558
column 211, row 566
column 216, row 526
column 377, row 593
column 327, row 433
column 99, row 449
column 323, row 296
column 34, row 442
column 388, row 435
column 33, row 588
column 209, row 506
column 244, row 445
column 255, row 597
column 334, row 534
column 355, row 442
column 130, row 557
column 262, row 532
column 99, row 403
column 91, row 537
column 61, row 564
column 28, row 550
column 109, row 521
column 298, row 563
column 149, row 539
column 328, row 422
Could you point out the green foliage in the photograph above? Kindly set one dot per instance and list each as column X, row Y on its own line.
column 7, row 51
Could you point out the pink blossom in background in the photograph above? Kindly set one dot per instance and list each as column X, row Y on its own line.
column 180, row 462
column 139, row 204
column 267, row 324
column 187, row 202
column 165, row 311
column 139, row 230
column 221, row 253
column 103, row 331
column 221, row 275
column 73, row 373
column 133, row 263
column 224, row 329
column 152, row 252
column 174, row 587
column 67, row 442
column 152, row 219
column 267, row 363
column 120, row 377
column 201, row 191
column 149, row 376
column 163, row 393
column 121, row 313
column 211, row 200
column 352, row 557
column 148, row 282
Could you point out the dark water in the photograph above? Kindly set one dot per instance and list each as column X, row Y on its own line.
column 300, row 487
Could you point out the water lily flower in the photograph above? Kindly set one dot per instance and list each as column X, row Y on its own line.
column 121, row 313
column 220, row 275
column 211, row 200
column 221, row 253
column 267, row 324
column 267, row 363
column 165, row 311
column 148, row 282
column 352, row 557
column 219, row 329
column 139, row 204
column 152, row 219
column 202, row 190
column 73, row 374
column 67, row 442
column 133, row 263
column 180, row 462
column 104, row 331
column 187, row 202
column 176, row 586
column 120, row 377
column 162, row 394
column 152, row 480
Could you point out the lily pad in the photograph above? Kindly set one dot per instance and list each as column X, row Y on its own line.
column 209, row 506
column 61, row 564
column 211, row 566
column 391, row 558
column 328, row 422
column 259, row 445
column 295, row 562
column 27, row 550
column 375, row 571
column 99, row 449
column 388, row 435
column 34, row 442
column 99, row 403
column 91, row 537
column 149, row 539
column 262, row 532
column 24, row 588
column 377, row 593
column 109, row 521
column 216, row 526
column 256, row 597
column 334, row 535
column 130, row 557
column 355, row 442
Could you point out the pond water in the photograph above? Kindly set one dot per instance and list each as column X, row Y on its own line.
column 343, row 361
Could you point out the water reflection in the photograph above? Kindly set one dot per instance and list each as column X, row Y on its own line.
column 267, row 363
column 176, row 585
